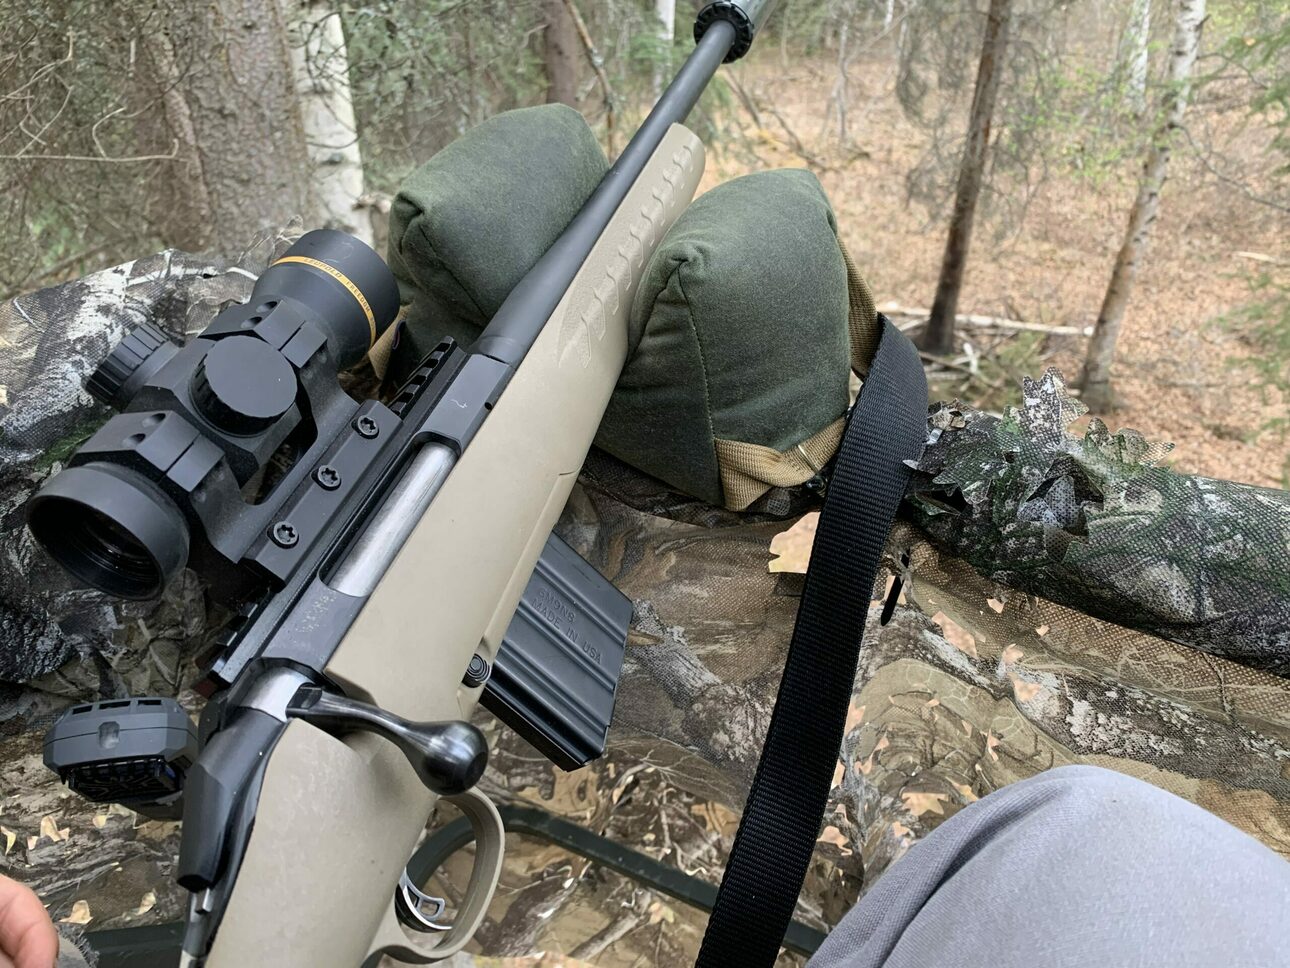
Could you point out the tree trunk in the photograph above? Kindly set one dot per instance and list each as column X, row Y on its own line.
column 560, row 54
column 841, row 88
column 1095, row 381
column 185, row 205
column 1137, row 52
column 665, row 10
column 231, row 104
column 321, row 65
column 938, row 337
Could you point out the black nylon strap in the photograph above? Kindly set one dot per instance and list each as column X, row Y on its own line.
column 781, row 819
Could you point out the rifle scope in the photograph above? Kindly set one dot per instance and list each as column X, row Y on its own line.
column 174, row 475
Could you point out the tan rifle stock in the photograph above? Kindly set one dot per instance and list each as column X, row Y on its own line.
column 338, row 818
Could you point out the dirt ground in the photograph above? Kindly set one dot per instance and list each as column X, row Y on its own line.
column 1176, row 378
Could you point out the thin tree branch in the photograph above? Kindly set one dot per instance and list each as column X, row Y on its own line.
column 127, row 160
column 597, row 65
column 1203, row 157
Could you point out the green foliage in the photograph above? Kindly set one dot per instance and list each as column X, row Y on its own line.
column 1062, row 102
column 1068, row 106
column 421, row 74
column 1005, row 367
column 1081, row 119
column 65, row 447
column 1266, row 55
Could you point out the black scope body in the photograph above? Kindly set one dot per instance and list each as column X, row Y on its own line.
column 176, row 477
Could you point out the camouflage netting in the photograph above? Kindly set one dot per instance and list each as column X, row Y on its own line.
column 1091, row 523
column 1065, row 600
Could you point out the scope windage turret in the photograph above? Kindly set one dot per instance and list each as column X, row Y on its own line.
column 168, row 478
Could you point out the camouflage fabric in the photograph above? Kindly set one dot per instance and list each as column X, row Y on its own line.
column 1093, row 523
column 989, row 671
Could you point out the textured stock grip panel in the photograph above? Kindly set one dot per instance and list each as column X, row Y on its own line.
column 335, row 824
column 338, row 819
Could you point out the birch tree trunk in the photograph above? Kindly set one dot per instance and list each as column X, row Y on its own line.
column 938, row 337
column 320, row 62
column 665, row 10
column 560, row 54
column 232, row 106
column 1095, row 381
column 1137, row 51
column 841, row 88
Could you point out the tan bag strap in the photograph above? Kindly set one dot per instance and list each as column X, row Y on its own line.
column 379, row 354
column 862, row 318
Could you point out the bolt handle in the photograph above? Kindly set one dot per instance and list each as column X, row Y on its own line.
column 448, row 757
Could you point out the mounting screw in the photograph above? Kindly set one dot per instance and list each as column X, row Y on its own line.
column 327, row 477
column 366, row 427
column 476, row 672
column 284, row 534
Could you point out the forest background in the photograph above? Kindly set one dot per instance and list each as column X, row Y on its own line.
column 1101, row 186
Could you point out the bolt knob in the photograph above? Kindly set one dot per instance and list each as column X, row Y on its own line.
column 111, row 382
column 243, row 385
column 448, row 757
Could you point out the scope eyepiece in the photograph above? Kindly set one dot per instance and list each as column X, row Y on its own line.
column 112, row 528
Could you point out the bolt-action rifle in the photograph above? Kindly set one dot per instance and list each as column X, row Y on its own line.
column 391, row 565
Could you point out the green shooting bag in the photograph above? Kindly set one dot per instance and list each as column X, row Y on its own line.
column 468, row 224
column 740, row 348
column 744, row 332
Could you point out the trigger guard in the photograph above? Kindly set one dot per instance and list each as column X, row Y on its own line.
column 401, row 945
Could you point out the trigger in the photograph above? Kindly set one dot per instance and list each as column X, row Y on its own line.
column 412, row 912
column 417, row 909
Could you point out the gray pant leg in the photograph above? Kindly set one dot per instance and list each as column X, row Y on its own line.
column 1078, row 866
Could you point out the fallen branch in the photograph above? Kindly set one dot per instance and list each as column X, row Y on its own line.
column 607, row 937
column 950, row 364
column 986, row 322
column 1261, row 257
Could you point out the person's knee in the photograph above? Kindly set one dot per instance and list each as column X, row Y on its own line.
column 1100, row 821
column 1095, row 787
column 1084, row 778
column 1082, row 809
